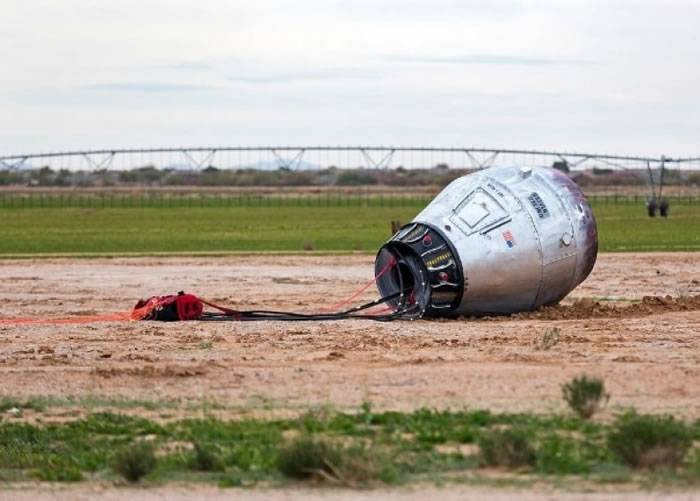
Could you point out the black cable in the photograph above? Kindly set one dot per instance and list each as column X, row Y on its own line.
column 403, row 296
column 344, row 312
column 402, row 309
column 251, row 315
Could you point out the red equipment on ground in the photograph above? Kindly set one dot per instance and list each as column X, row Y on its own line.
column 183, row 307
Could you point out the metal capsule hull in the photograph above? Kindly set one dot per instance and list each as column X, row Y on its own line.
column 511, row 239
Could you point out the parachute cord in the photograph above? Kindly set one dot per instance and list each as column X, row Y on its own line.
column 356, row 294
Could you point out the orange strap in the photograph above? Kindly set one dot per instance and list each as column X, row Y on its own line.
column 135, row 314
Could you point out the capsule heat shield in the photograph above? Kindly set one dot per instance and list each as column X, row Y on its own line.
column 420, row 261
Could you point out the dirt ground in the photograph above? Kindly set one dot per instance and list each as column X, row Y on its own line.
column 648, row 351
column 415, row 493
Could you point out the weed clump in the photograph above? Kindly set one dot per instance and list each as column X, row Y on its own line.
column 206, row 458
column 135, row 461
column 585, row 395
column 510, row 447
column 644, row 441
column 548, row 340
column 309, row 458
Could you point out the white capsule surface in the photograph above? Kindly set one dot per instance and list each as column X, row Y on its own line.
column 501, row 240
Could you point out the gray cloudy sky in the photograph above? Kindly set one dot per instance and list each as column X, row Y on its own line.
column 617, row 77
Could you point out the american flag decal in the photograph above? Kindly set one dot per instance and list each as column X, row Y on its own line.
column 508, row 237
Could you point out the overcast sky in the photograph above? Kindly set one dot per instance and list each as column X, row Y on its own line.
column 614, row 77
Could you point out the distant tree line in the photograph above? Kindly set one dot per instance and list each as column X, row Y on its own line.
column 212, row 176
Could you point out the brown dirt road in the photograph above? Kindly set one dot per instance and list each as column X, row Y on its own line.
column 648, row 353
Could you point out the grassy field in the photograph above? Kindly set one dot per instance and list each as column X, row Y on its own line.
column 363, row 448
column 337, row 226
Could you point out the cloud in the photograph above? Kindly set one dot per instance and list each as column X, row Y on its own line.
column 145, row 87
column 187, row 66
column 483, row 59
column 323, row 74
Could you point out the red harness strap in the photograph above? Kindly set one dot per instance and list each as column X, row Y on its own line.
column 226, row 311
column 175, row 308
column 169, row 308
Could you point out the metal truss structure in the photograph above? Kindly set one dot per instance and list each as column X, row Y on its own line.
column 316, row 157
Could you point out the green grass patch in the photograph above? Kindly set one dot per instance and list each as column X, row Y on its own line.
column 37, row 404
column 183, row 230
column 333, row 225
column 206, row 457
column 625, row 227
column 364, row 448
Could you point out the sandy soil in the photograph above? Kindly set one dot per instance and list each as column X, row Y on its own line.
column 417, row 493
column 648, row 353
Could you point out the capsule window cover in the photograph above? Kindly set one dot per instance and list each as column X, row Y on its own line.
column 498, row 241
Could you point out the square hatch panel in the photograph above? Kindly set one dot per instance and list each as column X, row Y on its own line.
column 478, row 212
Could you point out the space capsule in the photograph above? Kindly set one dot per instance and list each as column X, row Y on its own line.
column 498, row 241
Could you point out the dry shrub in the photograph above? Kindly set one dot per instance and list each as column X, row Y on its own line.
column 510, row 447
column 310, row 458
column 585, row 395
column 645, row 441
column 135, row 461
column 549, row 339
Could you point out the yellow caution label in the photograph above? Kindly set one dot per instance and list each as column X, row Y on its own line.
column 438, row 259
